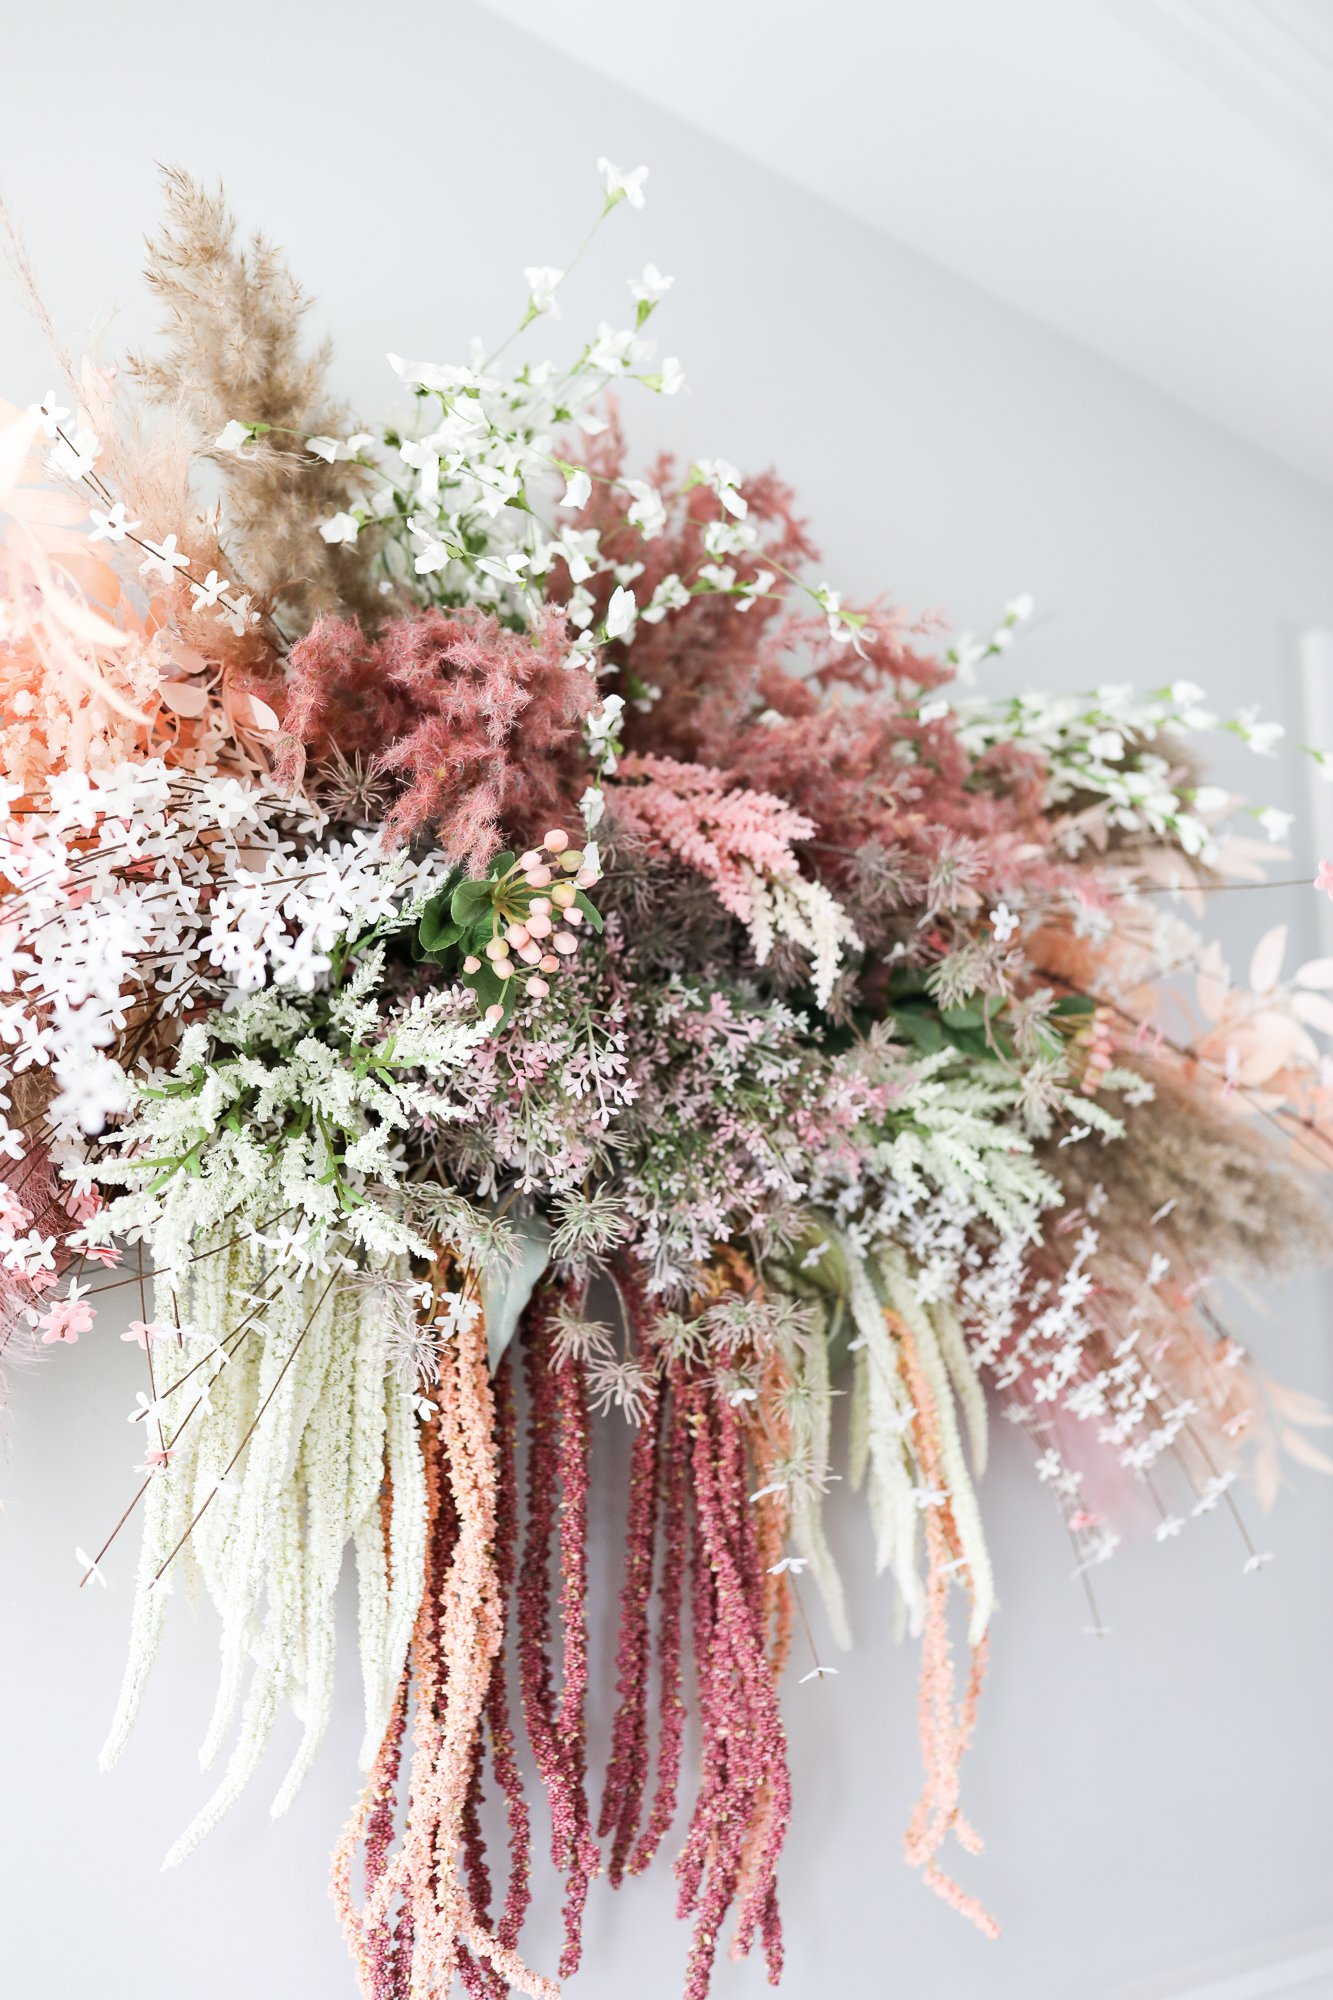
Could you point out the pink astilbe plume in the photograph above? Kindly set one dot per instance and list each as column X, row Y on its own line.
column 945, row 1727
column 476, row 728
column 724, row 833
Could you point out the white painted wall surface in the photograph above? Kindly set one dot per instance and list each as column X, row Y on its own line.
column 1152, row 1802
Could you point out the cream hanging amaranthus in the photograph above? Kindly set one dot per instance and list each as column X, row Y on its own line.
column 273, row 1455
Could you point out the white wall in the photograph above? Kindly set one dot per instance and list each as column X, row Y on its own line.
column 1152, row 1801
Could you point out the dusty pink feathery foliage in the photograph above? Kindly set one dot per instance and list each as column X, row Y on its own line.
column 721, row 831
column 557, row 1464
column 945, row 1728
column 476, row 729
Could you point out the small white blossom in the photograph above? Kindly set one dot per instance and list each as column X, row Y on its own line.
column 620, row 186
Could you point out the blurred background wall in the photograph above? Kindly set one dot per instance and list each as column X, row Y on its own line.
column 1024, row 298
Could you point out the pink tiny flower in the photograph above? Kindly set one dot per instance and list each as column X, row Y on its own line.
column 471, row 963
column 516, row 934
column 586, row 877
column 538, row 878
column 65, row 1319
column 143, row 1331
column 530, row 953
column 16, row 1218
column 539, row 987
column 496, row 950
column 548, row 964
column 539, row 926
column 1324, row 879
column 159, row 1458
column 531, row 859
column 566, row 943
column 556, row 840
column 495, row 1013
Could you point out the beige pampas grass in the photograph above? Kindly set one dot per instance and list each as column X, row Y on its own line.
column 233, row 349
column 1227, row 1193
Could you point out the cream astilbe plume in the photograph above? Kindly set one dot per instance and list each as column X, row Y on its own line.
column 234, row 353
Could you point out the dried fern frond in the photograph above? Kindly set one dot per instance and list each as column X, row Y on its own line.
column 233, row 348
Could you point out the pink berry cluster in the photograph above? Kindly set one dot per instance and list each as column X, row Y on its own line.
column 537, row 914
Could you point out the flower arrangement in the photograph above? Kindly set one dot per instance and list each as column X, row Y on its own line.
column 490, row 947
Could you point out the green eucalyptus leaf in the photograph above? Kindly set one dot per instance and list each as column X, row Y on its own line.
column 507, row 1287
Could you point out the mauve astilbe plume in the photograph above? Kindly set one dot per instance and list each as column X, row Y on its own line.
column 476, row 727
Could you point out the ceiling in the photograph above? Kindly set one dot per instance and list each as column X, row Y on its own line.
column 1152, row 178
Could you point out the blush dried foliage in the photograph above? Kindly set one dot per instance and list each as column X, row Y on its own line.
column 475, row 729
column 233, row 349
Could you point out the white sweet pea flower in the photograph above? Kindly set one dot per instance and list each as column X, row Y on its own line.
column 505, row 569
column 603, row 724
column 620, row 616
column 232, row 437
column 1003, row 923
column 620, row 186
column 670, row 377
column 340, row 528
column 1211, row 799
column 543, row 283
column 583, row 653
column 323, row 447
column 433, row 553
column 1261, row 737
column 651, row 287
column 724, row 479
column 648, row 512
column 578, row 489
column 1275, row 823
column 592, row 806
column 669, row 595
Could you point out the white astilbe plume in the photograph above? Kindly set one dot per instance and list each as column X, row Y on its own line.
column 810, row 1412
column 790, row 906
column 882, row 1416
column 268, row 1545
column 924, row 1326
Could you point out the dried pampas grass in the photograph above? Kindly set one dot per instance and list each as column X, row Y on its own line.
column 233, row 349
column 1226, row 1193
